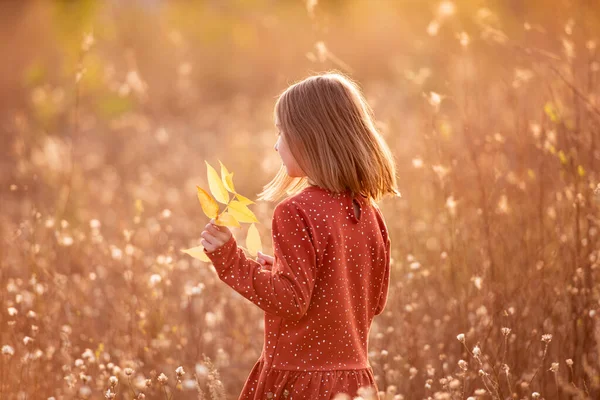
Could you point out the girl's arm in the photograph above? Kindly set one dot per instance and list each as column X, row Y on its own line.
column 286, row 289
column 386, row 275
column 386, row 281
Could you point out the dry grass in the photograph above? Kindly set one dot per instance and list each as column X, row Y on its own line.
column 492, row 113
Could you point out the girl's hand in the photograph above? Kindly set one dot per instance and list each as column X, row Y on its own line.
column 265, row 260
column 214, row 236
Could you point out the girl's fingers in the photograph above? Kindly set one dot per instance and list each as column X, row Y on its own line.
column 217, row 232
column 213, row 224
column 209, row 248
column 213, row 228
column 265, row 259
column 209, row 237
column 259, row 258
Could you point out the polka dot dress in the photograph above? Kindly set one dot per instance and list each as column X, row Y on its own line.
column 329, row 279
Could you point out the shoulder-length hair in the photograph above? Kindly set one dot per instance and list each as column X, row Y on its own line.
column 329, row 129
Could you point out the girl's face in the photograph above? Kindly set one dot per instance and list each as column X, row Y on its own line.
column 293, row 169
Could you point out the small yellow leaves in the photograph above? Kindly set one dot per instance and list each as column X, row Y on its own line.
column 139, row 206
column 236, row 211
column 220, row 188
column 581, row 171
column 253, row 241
column 197, row 252
column 562, row 157
column 99, row 350
column 226, row 219
column 227, row 178
column 552, row 112
column 445, row 130
column 216, row 185
column 241, row 212
column 243, row 199
column 209, row 205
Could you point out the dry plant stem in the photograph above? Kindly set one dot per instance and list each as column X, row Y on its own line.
column 60, row 210
column 21, row 375
column 27, row 378
column 483, row 195
column 466, row 348
column 587, row 392
column 131, row 387
column 504, row 363
column 505, row 349
column 198, row 388
column 194, row 329
column 488, row 388
column 510, row 391
column 571, row 378
column 492, row 383
column 494, row 386
column 226, row 207
column 576, row 91
column 483, row 205
column 2, row 380
column 497, row 382
column 541, row 364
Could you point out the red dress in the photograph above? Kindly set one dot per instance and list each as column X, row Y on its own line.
column 330, row 277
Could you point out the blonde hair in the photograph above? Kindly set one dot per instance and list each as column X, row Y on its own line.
column 329, row 129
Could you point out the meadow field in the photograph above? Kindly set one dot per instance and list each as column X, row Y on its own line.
column 109, row 110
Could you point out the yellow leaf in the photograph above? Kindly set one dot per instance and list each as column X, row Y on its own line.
column 581, row 171
column 552, row 112
column 241, row 212
column 531, row 173
column 216, row 185
column 253, row 240
column 562, row 156
column 226, row 219
column 209, row 205
column 227, row 178
column 99, row 350
column 244, row 200
column 197, row 252
column 445, row 130
column 229, row 183
column 139, row 206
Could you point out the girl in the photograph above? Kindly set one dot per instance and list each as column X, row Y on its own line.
column 330, row 272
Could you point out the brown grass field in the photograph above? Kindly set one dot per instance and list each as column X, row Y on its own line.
column 108, row 110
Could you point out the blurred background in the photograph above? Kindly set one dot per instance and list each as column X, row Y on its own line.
column 108, row 110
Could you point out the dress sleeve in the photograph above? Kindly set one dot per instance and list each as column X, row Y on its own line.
column 386, row 275
column 284, row 290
